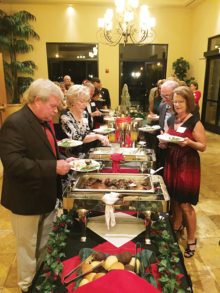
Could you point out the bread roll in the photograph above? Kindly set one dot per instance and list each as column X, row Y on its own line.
column 125, row 257
column 99, row 275
column 83, row 282
column 109, row 261
column 132, row 263
column 116, row 266
column 86, row 267
column 95, row 263
column 99, row 255
column 90, row 276
column 129, row 268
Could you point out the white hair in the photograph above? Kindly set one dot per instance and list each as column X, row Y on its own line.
column 170, row 84
column 75, row 92
column 43, row 89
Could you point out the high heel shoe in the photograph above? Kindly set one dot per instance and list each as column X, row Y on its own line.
column 188, row 251
column 179, row 230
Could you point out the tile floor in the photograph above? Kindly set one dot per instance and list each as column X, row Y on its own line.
column 204, row 267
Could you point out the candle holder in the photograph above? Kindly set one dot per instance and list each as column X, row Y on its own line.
column 82, row 215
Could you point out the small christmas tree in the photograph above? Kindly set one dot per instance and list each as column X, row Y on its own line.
column 125, row 99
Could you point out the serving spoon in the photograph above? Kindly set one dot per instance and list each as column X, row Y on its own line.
column 152, row 171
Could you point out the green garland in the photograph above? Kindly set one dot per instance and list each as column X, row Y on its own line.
column 167, row 259
column 49, row 280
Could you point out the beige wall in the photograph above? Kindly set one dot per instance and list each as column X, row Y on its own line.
column 173, row 27
column 206, row 24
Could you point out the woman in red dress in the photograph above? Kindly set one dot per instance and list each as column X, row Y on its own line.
column 182, row 165
column 196, row 93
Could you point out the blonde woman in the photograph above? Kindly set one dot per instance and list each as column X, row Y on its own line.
column 74, row 121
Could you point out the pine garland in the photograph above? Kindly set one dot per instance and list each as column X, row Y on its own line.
column 53, row 267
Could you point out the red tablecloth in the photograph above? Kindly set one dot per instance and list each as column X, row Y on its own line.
column 115, row 281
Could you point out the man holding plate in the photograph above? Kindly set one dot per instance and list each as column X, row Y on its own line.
column 33, row 168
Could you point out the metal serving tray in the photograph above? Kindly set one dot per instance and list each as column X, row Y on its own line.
column 130, row 154
column 138, row 179
column 158, row 200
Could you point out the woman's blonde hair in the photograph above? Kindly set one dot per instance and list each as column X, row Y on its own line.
column 75, row 92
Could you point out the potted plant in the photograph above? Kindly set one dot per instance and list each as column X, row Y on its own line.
column 181, row 67
column 15, row 31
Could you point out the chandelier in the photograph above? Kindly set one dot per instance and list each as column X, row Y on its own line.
column 126, row 24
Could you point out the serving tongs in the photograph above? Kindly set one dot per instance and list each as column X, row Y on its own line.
column 138, row 246
column 87, row 260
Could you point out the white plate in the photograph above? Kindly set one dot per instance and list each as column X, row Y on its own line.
column 81, row 166
column 104, row 110
column 104, row 130
column 170, row 138
column 69, row 143
column 109, row 118
column 153, row 117
column 148, row 128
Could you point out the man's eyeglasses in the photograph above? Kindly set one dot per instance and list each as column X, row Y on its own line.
column 166, row 96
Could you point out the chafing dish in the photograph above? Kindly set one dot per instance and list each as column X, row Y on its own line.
column 129, row 154
column 102, row 188
column 156, row 198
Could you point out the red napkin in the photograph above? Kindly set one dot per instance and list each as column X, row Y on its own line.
column 116, row 158
column 118, row 281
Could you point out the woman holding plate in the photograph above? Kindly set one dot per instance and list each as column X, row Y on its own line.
column 74, row 121
column 182, row 165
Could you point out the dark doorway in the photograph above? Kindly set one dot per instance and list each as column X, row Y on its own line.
column 211, row 98
column 75, row 59
column 140, row 68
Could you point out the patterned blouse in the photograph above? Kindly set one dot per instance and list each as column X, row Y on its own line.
column 72, row 128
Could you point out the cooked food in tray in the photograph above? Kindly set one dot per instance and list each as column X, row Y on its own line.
column 105, row 182
column 95, row 183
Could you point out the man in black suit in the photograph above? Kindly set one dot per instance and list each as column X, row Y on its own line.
column 105, row 96
column 31, row 179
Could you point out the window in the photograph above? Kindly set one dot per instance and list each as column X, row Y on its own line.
column 79, row 60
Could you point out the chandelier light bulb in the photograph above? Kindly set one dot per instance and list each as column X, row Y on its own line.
column 128, row 16
column 109, row 26
column 133, row 3
column 101, row 22
column 119, row 5
column 144, row 13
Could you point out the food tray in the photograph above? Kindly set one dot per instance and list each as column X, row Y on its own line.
column 138, row 179
column 130, row 154
column 158, row 200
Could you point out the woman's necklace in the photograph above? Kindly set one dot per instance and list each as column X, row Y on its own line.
column 180, row 120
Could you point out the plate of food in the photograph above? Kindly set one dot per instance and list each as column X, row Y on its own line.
column 105, row 110
column 153, row 117
column 148, row 128
column 103, row 130
column 69, row 143
column 109, row 118
column 170, row 138
column 86, row 165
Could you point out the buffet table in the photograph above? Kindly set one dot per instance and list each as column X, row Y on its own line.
column 142, row 228
column 166, row 270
